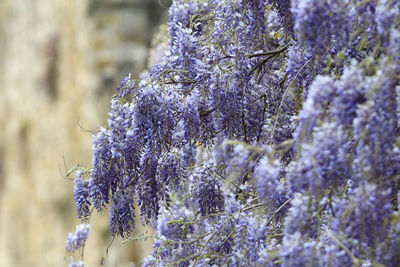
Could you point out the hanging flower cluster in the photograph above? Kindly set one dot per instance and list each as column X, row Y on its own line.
column 268, row 135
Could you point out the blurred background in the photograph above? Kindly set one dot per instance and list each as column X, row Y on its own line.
column 60, row 61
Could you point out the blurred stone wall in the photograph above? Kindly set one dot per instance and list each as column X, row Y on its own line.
column 123, row 32
column 60, row 61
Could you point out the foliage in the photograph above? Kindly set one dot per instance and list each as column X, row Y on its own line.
column 266, row 136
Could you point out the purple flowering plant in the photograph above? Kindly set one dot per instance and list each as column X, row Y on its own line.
column 268, row 135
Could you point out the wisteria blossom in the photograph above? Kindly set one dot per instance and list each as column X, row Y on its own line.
column 267, row 135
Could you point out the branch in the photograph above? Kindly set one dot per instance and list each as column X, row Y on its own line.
column 268, row 53
column 355, row 260
column 173, row 81
column 205, row 112
column 276, row 212
column 283, row 98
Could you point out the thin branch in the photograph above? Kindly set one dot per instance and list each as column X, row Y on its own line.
column 205, row 112
column 105, row 256
column 283, row 98
column 260, row 63
column 175, row 82
column 340, row 244
column 253, row 207
column 83, row 129
column 278, row 210
column 268, row 53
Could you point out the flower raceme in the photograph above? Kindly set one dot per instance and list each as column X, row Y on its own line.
column 267, row 135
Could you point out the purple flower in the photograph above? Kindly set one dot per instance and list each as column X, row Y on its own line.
column 387, row 252
column 361, row 221
column 209, row 196
column 386, row 14
column 321, row 24
column 375, row 144
column 104, row 176
column 78, row 239
column 270, row 183
column 82, row 195
column 149, row 187
column 74, row 263
column 285, row 15
column 321, row 92
column 350, row 90
column 122, row 213
column 308, row 93
column 297, row 248
column 323, row 163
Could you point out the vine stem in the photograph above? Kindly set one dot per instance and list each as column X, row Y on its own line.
column 340, row 244
column 283, row 97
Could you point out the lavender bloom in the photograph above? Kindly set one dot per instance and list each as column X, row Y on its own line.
column 173, row 227
column 299, row 66
column 321, row 91
column 188, row 154
column 78, row 239
column 321, row 24
column 209, row 196
column 365, row 12
column 296, row 252
column 81, row 195
column 298, row 228
column 126, row 87
column 234, row 91
column 154, row 115
column 238, row 235
column 270, row 185
column 239, row 162
column 323, row 163
column 74, row 263
column 362, row 220
column 183, row 15
column 335, row 256
column 314, row 181
column 149, row 187
column 298, row 217
column 223, row 241
column 285, row 15
column 171, row 246
column 255, row 19
column 388, row 252
column 170, row 172
column 386, row 13
column 122, row 213
column 350, row 90
column 104, row 176
column 376, row 143
column 111, row 147
column 191, row 118
column 250, row 23
column 249, row 239
column 394, row 46
column 119, row 122
column 329, row 152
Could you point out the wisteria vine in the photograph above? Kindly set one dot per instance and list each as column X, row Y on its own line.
column 267, row 135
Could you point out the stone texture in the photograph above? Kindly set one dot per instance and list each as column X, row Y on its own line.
column 60, row 61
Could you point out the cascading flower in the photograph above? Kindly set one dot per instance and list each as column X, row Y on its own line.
column 267, row 135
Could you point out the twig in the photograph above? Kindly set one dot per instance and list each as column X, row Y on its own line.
column 340, row 244
column 205, row 112
column 268, row 53
column 83, row 129
column 184, row 82
column 105, row 257
column 283, row 97
column 278, row 210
